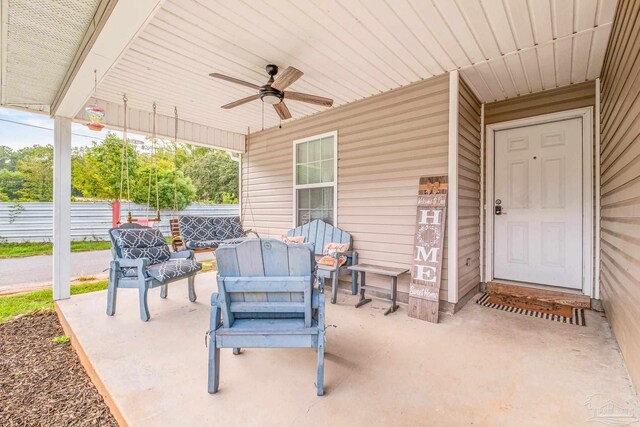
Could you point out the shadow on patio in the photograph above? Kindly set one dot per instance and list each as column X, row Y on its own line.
column 482, row 366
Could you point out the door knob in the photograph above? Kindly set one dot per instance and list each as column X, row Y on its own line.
column 498, row 209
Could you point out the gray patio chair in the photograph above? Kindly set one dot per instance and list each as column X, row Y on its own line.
column 142, row 260
column 320, row 233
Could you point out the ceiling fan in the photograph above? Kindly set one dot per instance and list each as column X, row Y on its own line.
column 273, row 92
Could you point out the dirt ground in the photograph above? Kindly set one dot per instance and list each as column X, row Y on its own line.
column 42, row 382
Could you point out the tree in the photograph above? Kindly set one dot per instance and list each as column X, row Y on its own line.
column 213, row 173
column 97, row 170
column 10, row 183
column 36, row 168
column 8, row 158
column 173, row 187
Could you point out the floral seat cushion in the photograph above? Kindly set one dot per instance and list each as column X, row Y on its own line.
column 173, row 268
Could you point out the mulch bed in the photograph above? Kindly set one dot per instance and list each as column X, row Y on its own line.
column 42, row 383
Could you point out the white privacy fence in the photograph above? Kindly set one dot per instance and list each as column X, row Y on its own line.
column 33, row 222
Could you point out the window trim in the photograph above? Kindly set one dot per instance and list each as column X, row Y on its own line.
column 297, row 187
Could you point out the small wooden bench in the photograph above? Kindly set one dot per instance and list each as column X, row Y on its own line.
column 390, row 272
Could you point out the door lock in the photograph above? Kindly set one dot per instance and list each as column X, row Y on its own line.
column 498, row 209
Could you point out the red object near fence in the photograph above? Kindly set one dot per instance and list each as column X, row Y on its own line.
column 115, row 213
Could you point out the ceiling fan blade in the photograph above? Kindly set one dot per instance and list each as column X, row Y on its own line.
column 311, row 99
column 282, row 110
column 234, row 80
column 241, row 101
column 286, row 78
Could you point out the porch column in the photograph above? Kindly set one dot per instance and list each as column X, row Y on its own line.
column 62, row 208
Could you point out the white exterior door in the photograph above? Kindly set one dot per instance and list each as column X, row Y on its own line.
column 538, row 235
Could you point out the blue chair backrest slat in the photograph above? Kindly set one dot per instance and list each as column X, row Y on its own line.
column 266, row 274
column 320, row 233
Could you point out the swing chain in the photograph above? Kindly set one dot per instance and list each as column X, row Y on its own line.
column 124, row 161
column 175, row 154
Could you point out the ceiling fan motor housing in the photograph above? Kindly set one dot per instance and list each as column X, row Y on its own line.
column 270, row 95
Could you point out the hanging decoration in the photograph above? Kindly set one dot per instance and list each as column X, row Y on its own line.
column 94, row 112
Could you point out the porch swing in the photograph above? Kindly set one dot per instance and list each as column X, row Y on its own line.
column 147, row 221
column 206, row 234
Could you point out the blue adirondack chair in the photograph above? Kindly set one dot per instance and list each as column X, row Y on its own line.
column 320, row 233
column 142, row 260
column 266, row 298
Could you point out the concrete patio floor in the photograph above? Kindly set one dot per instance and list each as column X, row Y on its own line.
column 481, row 367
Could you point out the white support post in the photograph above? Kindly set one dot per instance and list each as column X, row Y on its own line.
column 452, row 209
column 62, row 208
column 596, row 290
column 482, row 201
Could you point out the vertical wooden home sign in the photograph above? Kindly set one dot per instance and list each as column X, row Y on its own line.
column 426, row 268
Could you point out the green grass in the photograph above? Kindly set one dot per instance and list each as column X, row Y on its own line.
column 15, row 250
column 15, row 305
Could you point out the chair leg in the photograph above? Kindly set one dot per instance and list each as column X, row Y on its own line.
column 192, row 288
column 112, row 290
column 334, row 286
column 163, row 291
column 236, row 350
column 354, row 276
column 214, row 365
column 320, row 379
column 354, row 283
column 144, row 308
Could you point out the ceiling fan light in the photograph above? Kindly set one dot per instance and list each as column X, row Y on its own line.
column 271, row 99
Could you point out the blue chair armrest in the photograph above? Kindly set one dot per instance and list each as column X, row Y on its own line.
column 138, row 263
column 348, row 254
column 187, row 254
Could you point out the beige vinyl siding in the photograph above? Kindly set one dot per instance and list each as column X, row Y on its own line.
column 620, row 185
column 549, row 101
column 468, row 190
column 385, row 144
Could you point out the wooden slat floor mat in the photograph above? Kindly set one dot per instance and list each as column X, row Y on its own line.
column 534, row 308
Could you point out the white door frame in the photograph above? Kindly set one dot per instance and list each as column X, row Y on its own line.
column 586, row 115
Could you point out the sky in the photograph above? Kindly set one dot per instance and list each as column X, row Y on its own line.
column 20, row 129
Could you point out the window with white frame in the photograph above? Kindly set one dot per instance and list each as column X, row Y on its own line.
column 315, row 177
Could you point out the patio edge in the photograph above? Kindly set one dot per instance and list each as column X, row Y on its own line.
column 90, row 370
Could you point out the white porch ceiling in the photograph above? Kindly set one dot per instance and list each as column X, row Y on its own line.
column 353, row 49
column 39, row 39
column 348, row 50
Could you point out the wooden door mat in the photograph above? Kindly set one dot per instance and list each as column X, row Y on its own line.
column 534, row 308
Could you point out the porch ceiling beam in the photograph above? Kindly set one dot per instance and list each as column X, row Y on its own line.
column 141, row 122
column 114, row 27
